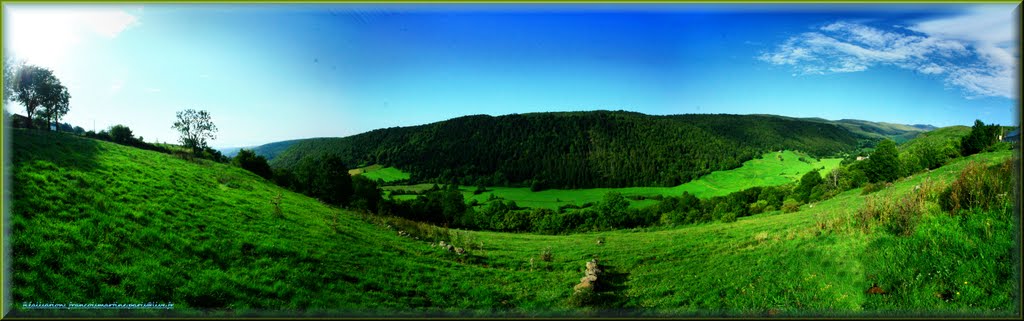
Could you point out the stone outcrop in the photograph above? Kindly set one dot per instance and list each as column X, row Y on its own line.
column 589, row 280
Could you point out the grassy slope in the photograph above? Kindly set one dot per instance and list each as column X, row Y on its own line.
column 375, row 172
column 98, row 222
column 939, row 137
column 768, row 170
column 773, row 261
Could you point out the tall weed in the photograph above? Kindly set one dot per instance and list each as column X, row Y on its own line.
column 979, row 186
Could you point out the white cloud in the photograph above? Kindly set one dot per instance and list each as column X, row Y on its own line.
column 974, row 51
column 116, row 86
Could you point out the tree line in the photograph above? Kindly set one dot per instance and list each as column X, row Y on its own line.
column 446, row 206
column 575, row 149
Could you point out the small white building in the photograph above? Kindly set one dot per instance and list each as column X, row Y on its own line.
column 860, row 158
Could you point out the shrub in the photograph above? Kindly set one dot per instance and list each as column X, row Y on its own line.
column 728, row 217
column 479, row 190
column 366, row 194
column 790, row 206
column 872, row 187
column 758, row 207
column 546, row 256
column 979, row 186
column 325, row 178
column 900, row 216
column 121, row 134
column 248, row 160
column 276, row 201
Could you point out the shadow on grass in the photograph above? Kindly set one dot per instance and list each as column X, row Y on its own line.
column 61, row 149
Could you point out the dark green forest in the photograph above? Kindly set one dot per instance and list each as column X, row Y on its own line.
column 576, row 149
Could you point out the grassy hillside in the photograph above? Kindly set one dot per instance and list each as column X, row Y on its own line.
column 939, row 138
column 771, row 169
column 379, row 172
column 98, row 222
column 573, row 150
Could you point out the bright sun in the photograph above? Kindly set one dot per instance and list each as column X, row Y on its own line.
column 40, row 37
column 46, row 35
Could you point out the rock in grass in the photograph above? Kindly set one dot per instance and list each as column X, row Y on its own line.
column 584, row 285
column 460, row 251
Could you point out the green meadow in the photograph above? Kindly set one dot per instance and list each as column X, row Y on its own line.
column 379, row 172
column 96, row 222
column 772, row 169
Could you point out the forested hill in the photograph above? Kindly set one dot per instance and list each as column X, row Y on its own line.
column 576, row 149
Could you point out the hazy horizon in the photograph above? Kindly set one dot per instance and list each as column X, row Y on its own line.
column 276, row 72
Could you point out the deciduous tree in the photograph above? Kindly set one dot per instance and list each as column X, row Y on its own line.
column 884, row 164
column 35, row 86
column 195, row 128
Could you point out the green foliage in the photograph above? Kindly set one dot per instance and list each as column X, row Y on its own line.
column 381, row 174
column 979, row 186
column 884, row 164
column 576, row 149
column 872, row 187
column 35, row 86
column 949, row 265
column 121, row 134
column 764, row 171
column 248, row 160
column 807, row 183
column 981, row 137
column 366, row 194
column 790, row 206
column 195, row 128
column 89, row 221
column 759, row 207
column 325, row 178
column 479, row 190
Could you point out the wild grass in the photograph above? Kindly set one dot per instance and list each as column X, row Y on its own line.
column 98, row 222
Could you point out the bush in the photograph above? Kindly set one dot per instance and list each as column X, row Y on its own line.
column 365, row 193
column 900, row 216
column 790, row 206
column 728, row 217
column 121, row 134
column 325, row 178
column 758, row 207
column 479, row 190
column 872, row 187
column 248, row 160
column 546, row 256
column 979, row 186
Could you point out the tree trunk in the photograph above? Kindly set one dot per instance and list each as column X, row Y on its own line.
column 29, row 110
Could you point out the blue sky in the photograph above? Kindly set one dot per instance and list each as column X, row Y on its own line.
column 276, row 72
